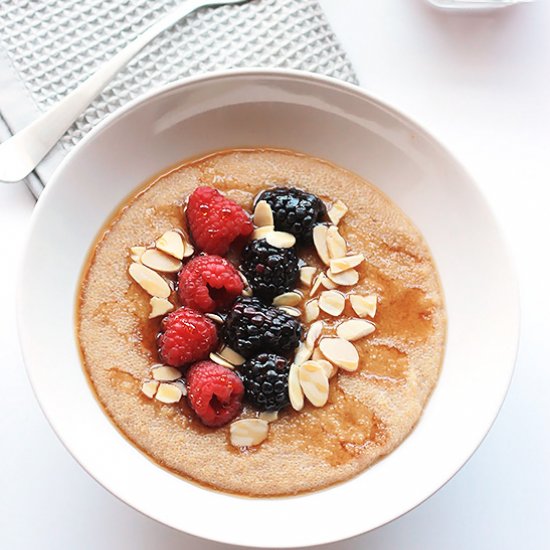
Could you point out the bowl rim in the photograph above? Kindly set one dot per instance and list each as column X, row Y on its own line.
column 311, row 78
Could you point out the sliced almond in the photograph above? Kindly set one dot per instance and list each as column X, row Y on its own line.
column 215, row 317
column 268, row 416
column 316, row 355
column 337, row 212
column 295, row 393
column 294, row 312
column 232, row 356
column 159, row 306
column 303, row 353
column 364, row 305
column 219, row 360
column 136, row 252
column 288, row 299
column 312, row 311
column 247, row 292
column 354, row 329
column 262, row 232
column 306, row 275
column 327, row 283
column 332, row 302
column 149, row 388
column 343, row 264
column 159, row 261
column 336, row 244
column 314, row 333
column 328, row 367
column 263, row 215
column 149, row 280
column 168, row 393
column 314, row 383
column 317, row 284
column 349, row 277
column 320, row 241
column 163, row 373
column 248, row 432
column 181, row 385
column 172, row 243
column 188, row 250
column 280, row 239
column 340, row 352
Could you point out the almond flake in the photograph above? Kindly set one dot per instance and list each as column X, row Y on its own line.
column 303, row 353
column 232, row 356
column 262, row 232
column 247, row 292
column 215, row 317
column 168, row 393
column 332, row 302
column 188, row 250
column 149, row 388
column 280, row 239
column 136, row 252
column 316, row 355
column 295, row 393
column 349, row 277
column 328, row 367
column 294, row 312
column 269, row 416
column 306, row 275
column 219, row 360
column 340, row 352
column 163, row 373
column 327, row 283
column 354, row 329
column 312, row 311
column 263, row 215
column 364, row 305
column 159, row 261
column 159, row 306
column 317, row 284
column 149, row 280
column 181, row 385
column 288, row 299
column 320, row 241
column 336, row 244
column 337, row 212
column 343, row 264
column 314, row 382
column 171, row 243
column 248, row 432
column 314, row 333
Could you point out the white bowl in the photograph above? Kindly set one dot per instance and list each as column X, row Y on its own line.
column 322, row 117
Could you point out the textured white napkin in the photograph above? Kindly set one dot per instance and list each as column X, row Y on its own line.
column 47, row 47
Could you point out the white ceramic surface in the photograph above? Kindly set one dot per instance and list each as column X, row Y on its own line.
column 318, row 116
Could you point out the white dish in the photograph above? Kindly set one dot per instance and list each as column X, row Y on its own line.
column 322, row 117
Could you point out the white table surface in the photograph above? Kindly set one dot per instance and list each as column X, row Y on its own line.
column 481, row 83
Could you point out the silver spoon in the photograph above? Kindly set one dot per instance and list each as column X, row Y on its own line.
column 21, row 153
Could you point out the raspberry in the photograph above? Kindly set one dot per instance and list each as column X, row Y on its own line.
column 265, row 380
column 252, row 327
column 209, row 283
column 214, row 392
column 215, row 222
column 294, row 211
column 186, row 336
column 270, row 271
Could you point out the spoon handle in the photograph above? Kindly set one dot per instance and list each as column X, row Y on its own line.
column 20, row 154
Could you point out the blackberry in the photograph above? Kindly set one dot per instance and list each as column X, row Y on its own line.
column 265, row 379
column 251, row 327
column 270, row 271
column 294, row 211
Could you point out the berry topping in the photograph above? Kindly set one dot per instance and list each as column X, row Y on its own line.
column 265, row 380
column 215, row 393
column 186, row 336
column 294, row 211
column 209, row 283
column 270, row 271
column 215, row 221
column 252, row 327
